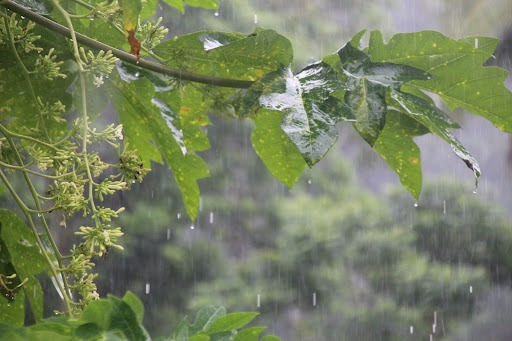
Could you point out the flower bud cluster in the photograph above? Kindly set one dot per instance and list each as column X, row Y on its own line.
column 151, row 34
column 23, row 38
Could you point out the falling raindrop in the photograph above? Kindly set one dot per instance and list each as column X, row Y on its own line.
column 168, row 234
column 200, row 204
column 476, row 43
column 211, row 218
column 147, row 288
column 411, row 330
column 258, row 300
column 444, row 206
column 470, row 289
column 314, row 299
column 178, row 215
column 255, row 18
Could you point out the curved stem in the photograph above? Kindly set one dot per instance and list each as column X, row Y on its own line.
column 125, row 56
column 26, row 74
column 6, row 132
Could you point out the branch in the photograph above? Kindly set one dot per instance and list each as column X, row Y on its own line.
column 125, row 56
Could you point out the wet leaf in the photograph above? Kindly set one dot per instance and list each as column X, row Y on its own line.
column 318, row 82
column 273, row 146
column 367, row 83
column 229, row 55
column 147, row 131
column 35, row 6
column 230, row 322
column 207, row 4
column 189, row 109
column 131, row 10
column 111, row 315
column 205, row 317
column 397, row 147
column 249, row 334
column 26, row 258
column 438, row 123
column 135, row 304
column 459, row 77
column 368, row 104
column 310, row 112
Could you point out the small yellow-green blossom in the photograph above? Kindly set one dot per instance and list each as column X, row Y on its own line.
column 131, row 167
column 107, row 9
column 23, row 38
column 79, row 264
column 99, row 239
column 151, row 34
column 100, row 65
column 106, row 213
column 52, row 111
column 96, row 165
column 69, row 196
column 41, row 157
column 47, row 68
column 107, row 187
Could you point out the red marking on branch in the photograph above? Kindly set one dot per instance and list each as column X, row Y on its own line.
column 134, row 43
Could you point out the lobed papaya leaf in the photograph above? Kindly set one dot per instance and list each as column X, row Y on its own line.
column 460, row 80
column 396, row 146
column 228, row 55
column 273, row 146
column 147, row 131
column 367, row 84
column 437, row 122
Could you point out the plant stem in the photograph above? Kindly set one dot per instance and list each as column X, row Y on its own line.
column 63, row 289
column 125, row 56
column 26, row 74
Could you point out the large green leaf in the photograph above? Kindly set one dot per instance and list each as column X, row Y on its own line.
column 459, row 77
column 147, row 131
column 208, row 4
column 273, row 146
column 180, row 4
column 109, row 316
column 230, row 322
column 205, row 317
column 396, row 146
column 318, row 82
column 131, row 10
column 229, row 55
column 310, row 112
column 367, row 83
column 26, row 259
column 249, row 334
column 437, row 122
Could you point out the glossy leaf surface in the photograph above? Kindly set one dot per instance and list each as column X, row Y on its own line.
column 459, row 77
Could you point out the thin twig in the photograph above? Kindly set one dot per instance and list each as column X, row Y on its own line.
column 125, row 56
